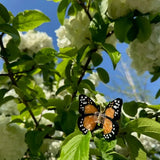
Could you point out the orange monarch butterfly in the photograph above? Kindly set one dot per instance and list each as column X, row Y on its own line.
column 91, row 118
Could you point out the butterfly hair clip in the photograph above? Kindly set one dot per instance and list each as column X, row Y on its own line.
column 91, row 118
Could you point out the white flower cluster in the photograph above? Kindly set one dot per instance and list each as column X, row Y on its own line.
column 32, row 41
column 12, row 136
column 145, row 56
column 149, row 143
column 94, row 78
column 75, row 31
column 10, row 107
column 119, row 8
column 50, row 147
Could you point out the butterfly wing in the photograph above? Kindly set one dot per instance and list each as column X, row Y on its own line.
column 110, row 129
column 113, row 109
column 89, row 114
column 111, row 114
column 87, row 106
column 87, row 123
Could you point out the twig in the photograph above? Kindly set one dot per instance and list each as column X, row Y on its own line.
column 85, row 9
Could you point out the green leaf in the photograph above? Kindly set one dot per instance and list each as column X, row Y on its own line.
column 34, row 140
column 144, row 28
column 63, row 5
column 113, row 54
column 121, row 28
column 45, row 55
column 103, row 75
column 131, row 108
column 29, row 19
column 6, row 28
column 12, row 50
column 116, row 156
column 154, row 18
column 103, row 145
column 3, row 91
column 154, row 106
column 82, row 53
column 132, row 33
column 144, row 126
column 68, row 122
column 91, row 86
column 77, row 147
column 50, row 116
column 61, row 68
column 136, row 149
column 96, row 59
column 62, row 88
column 17, row 120
column 6, row 99
column 98, row 29
column 70, row 136
column 68, row 70
column 67, row 52
column 4, row 15
column 157, row 94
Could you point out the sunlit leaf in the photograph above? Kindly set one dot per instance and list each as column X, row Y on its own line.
column 61, row 12
column 77, row 147
column 29, row 19
column 50, row 116
column 145, row 126
column 45, row 55
column 113, row 54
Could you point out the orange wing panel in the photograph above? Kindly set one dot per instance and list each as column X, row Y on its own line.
column 90, row 109
column 90, row 122
column 107, row 126
column 110, row 112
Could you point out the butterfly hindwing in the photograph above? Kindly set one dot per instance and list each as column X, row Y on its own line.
column 87, row 123
column 110, row 129
column 87, row 106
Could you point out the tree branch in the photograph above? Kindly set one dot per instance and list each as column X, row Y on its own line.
column 11, row 76
column 83, row 72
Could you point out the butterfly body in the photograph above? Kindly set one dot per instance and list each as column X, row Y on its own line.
column 91, row 118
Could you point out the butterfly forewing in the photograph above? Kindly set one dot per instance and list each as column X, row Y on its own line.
column 113, row 109
column 87, row 106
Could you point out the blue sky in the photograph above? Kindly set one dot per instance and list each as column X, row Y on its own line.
column 117, row 79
